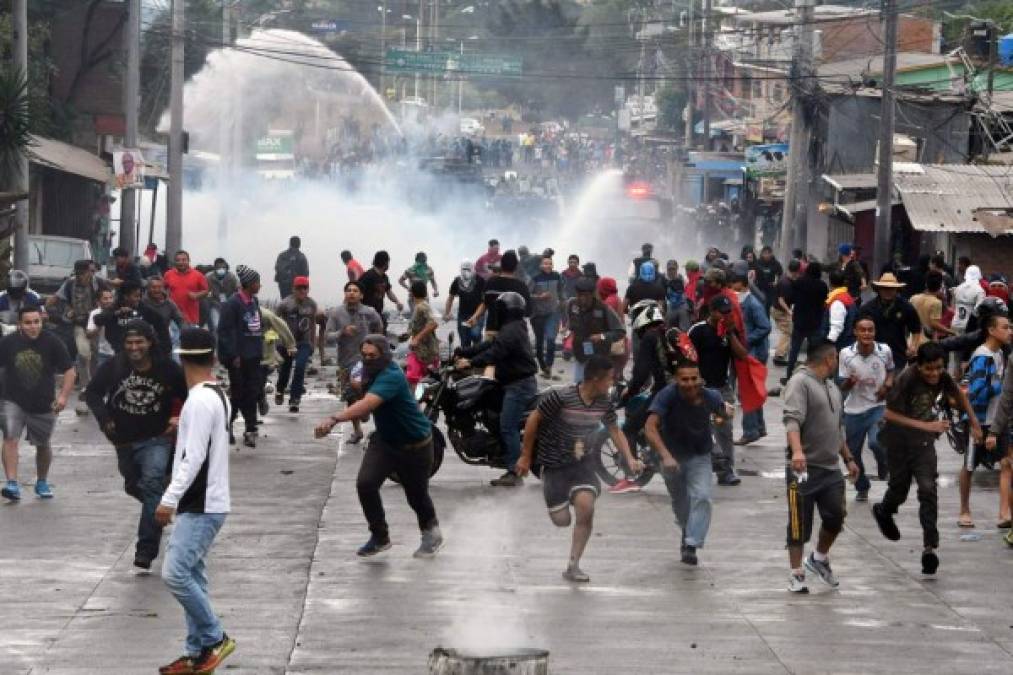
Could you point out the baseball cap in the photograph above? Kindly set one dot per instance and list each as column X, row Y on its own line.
column 195, row 342
column 301, row 281
column 845, row 249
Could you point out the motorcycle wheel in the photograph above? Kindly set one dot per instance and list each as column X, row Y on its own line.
column 439, row 446
column 609, row 464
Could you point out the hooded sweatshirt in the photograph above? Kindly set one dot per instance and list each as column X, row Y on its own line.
column 608, row 292
column 813, row 407
column 966, row 297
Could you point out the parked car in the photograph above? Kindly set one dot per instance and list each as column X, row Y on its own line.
column 52, row 258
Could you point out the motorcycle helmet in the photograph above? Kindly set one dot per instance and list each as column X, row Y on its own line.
column 989, row 306
column 640, row 307
column 17, row 279
column 650, row 316
column 511, row 306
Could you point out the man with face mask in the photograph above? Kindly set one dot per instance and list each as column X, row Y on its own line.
column 420, row 271
column 469, row 288
column 222, row 285
column 403, row 442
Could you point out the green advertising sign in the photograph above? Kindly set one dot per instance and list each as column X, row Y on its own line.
column 275, row 145
column 410, row 61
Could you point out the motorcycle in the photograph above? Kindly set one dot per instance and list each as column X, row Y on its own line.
column 470, row 405
column 610, row 465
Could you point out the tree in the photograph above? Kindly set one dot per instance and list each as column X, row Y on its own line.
column 671, row 102
column 15, row 134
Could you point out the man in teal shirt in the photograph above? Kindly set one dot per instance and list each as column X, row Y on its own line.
column 402, row 442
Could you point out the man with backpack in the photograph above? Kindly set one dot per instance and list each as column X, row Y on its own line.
column 291, row 263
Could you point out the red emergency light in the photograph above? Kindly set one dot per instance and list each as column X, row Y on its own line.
column 638, row 190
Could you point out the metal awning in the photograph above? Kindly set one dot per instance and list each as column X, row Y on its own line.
column 946, row 197
column 68, row 158
column 851, row 181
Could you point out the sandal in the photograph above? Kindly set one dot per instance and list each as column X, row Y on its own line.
column 1004, row 524
column 965, row 521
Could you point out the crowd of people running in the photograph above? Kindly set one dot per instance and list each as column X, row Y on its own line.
column 891, row 363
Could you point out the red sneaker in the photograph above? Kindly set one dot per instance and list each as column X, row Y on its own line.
column 623, row 485
column 181, row 666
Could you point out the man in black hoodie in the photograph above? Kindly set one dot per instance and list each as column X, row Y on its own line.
column 510, row 352
column 129, row 308
column 135, row 398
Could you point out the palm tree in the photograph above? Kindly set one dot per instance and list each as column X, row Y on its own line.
column 15, row 137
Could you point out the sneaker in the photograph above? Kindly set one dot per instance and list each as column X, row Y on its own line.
column 432, row 540
column 181, row 666
column 142, row 565
column 862, row 496
column 268, row 388
column 622, row 486
column 250, row 439
column 822, row 568
column 293, row 405
column 508, row 479
column 746, row 440
column 885, row 522
column 213, row 656
column 11, row 491
column 797, row 584
column 43, row 490
column 279, row 397
column 81, row 408
column 262, row 407
column 689, row 555
column 729, row 480
column 574, row 573
column 930, row 562
column 355, row 438
column 780, row 362
column 373, row 546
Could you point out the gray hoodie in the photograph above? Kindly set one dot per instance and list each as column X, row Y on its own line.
column 813, row 407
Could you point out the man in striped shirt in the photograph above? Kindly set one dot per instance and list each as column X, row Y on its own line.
column 561, row 427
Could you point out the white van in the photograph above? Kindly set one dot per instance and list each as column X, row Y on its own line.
column 52, row 258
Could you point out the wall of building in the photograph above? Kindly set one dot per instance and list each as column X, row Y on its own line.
column 862, row 36
column 991, row 254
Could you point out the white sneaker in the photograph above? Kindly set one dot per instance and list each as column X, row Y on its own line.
column 796, row 583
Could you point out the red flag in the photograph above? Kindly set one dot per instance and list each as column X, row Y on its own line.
column 752, row 378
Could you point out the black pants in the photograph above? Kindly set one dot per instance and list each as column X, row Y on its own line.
column 412, row 466
column 913, row 460
column 245, row 383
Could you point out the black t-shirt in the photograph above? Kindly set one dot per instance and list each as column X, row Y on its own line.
column 809, row 295
column 912, row 397
column 767, row 272
column 714, row 354
column 784, row 291
column 374, row 287
column 29, row 368
column 139, row 403
column 644, row 290
column 493, row 288
column 468, row 301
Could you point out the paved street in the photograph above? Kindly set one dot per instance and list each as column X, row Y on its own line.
column 297, row 600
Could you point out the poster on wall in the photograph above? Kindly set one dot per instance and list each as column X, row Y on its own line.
column 128, row 165
column 767, row 160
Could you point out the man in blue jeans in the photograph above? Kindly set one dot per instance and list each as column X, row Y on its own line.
column 134, row 397
column 679, row 430
column 199, row 496
column 865, row 374
column 510, row 352
column 757, row 323
column 299, row 311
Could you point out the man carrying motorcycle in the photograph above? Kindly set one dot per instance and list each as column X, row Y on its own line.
column 510, row 352
column 560, row 428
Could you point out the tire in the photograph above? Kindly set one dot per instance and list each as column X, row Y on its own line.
column 439, row 447
column 608, row 463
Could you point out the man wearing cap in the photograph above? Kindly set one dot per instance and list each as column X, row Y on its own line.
column 593, row 325
column 187, row 287
column 402, row 443
column 854, row 275
column 241, row 348
column 299, row 311
column 717, row 340
column 199, row 497
column 896, row 319
column 135, row 398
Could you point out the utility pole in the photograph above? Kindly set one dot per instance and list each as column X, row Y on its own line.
column 691, row 72
column 884, row 188
column 383, row 49
column 174, row 202
column 434, row 44
column 21, row 258
column 131, row 100
column 224, row 137
column 707, row 51
column 794, row 218
column 460, row 82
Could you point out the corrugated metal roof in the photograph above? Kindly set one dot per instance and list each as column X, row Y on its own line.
column 64, row 157
column 851, row 181
column 943, row 198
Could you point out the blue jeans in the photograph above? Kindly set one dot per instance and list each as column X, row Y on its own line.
column 174, row 333
column 546, row 328
column 517, row 396
column 469, row 336
column 753, row 424
column 690, row 490
column 856, row 428
column 144, row 466
column 185, row 574
column 303, row 352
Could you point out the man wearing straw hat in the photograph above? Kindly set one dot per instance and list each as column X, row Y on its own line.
column 895, row 318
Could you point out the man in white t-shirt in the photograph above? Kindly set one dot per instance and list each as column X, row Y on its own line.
column 866, row 373
column 96, row 333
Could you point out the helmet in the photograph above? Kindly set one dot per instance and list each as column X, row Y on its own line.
column 17, row 279
column 989, row 306
column 637, row 309
column 511, row 306
column 648, row 317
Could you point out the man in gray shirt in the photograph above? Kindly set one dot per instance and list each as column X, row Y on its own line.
column 348, row 325
column 813, row 420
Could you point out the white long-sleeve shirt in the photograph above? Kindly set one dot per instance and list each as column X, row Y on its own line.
column 200, row 472
column 838, row 314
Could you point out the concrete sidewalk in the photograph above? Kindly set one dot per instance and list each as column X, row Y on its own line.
column 291, row 591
